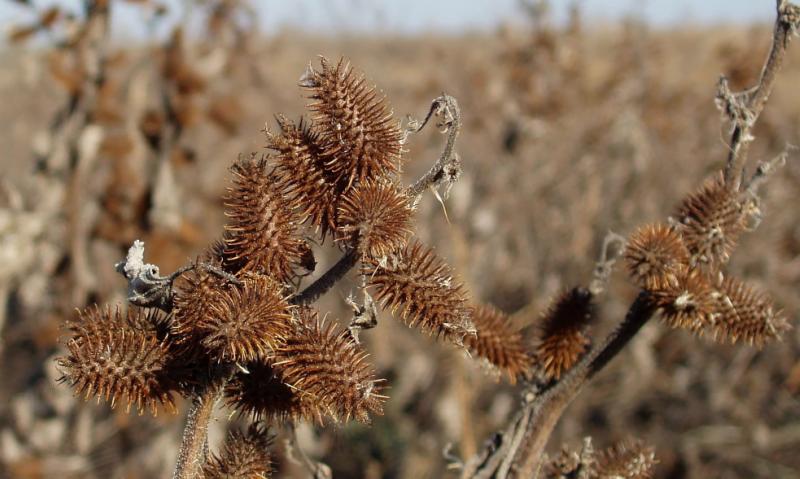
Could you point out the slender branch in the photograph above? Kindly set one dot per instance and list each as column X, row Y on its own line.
column 327, row 280
column 548, row 408
column 191, row 455
column 447, row 168
column 745, row 108
column 538, row 418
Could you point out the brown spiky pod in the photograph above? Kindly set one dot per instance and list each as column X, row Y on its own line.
column 262, row 233
column 121, row 357
column 710, row 222
column 259, row 392
column 497, row 342
column 243, row 323
column 626, row 460
column 194, row 294
column 562, row 336
column 245, row 455
column 690, row 304
column 301, row 174
column 362, row 140
column 563, row 465
column 746, row 314
column 325, row 366
column 416, row 281
column 655, row 254
column 376, row 215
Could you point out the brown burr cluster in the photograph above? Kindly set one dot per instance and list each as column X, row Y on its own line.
column 681, row 267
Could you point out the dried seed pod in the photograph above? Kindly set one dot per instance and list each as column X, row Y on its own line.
column 690, row 304
column 245, row 323
column 300, row 173
column 377, row 215
column 497, row 342
column 710, row 222
column 562, row 338
column 259, row 392
column 262, row 234
column 120, row 356
column 245, row 455
column 362, row 140
column 325, row 367
column 746, row 314
column 416, row 281
column 195, row 293
column 655, row 254
column 571, row 464
column 627, row 460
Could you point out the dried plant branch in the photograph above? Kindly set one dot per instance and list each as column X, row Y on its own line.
column 447, row 168
column 325, row 282
column 743, row 109
column 605, row 263
column 522, row 443
column 192, row 453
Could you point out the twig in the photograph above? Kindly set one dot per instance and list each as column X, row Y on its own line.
column 539, row 417
column 327, row 280
column 605, row 263
column 765, row 169
column 743, row 109
column 447, row 168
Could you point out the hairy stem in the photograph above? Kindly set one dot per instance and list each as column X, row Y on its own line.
column 548, row 408
column 191, row 456
column 524, row 440
column 327, row 280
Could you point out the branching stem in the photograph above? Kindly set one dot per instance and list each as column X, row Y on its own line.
column 744, row 109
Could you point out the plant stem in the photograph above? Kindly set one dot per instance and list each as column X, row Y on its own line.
column 327, row 280
column 547, row 409
column 191, row 456
column 523, row 441
column 447, row 106
column 755, row 99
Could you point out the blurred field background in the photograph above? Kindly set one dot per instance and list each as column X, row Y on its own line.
column 571, row 128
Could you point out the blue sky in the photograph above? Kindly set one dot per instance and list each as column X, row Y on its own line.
column 413, row 16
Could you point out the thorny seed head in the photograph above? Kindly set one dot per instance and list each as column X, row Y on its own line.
column 362, row 140
column 325, row 367
column 747, row 314
column 262, row 233
column 257, row 390
column 689, row 304
column 121, row 357
column 245, row 455
column 655, row 254
column 195, row 292
column 244, row 323
column 710, row 222
column 419, row 283
column 627, row 460
column 376, row 216
column 562, row 338
column 301, row 174
column 498, row 342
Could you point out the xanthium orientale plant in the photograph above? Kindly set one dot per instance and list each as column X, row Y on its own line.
column 237, row 325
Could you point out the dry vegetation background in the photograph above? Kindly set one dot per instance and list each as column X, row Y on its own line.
column 568, row 132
